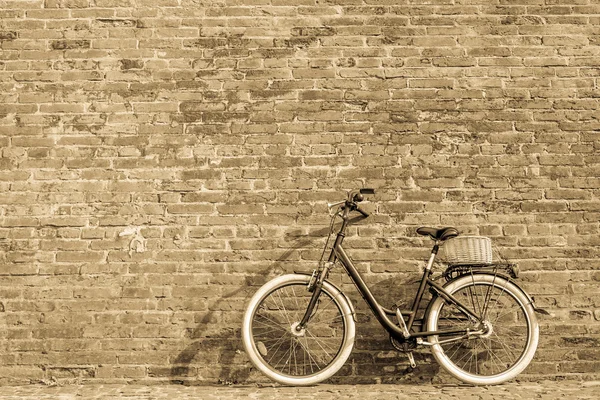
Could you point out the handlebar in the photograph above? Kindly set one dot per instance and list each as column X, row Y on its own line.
column 354, row 197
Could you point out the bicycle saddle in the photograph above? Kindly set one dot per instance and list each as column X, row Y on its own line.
column 438, row 234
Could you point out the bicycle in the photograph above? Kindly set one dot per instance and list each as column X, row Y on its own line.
column 299, row 329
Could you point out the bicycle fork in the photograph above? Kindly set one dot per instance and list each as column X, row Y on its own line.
column 314, row 286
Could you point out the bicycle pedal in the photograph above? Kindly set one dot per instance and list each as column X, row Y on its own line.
column 411, row 359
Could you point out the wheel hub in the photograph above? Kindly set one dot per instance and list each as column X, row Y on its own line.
column 487, row 329
column 298, row 332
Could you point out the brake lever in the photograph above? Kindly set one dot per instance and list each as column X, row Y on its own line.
column 339, row 203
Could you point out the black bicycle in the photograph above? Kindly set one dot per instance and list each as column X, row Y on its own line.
column 299, row 329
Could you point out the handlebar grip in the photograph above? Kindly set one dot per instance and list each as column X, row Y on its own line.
column 367, row 191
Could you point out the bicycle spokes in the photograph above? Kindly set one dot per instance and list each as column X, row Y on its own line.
column 288, row 347
column 496, row 342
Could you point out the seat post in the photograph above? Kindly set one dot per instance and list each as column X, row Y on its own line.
column 434, row 251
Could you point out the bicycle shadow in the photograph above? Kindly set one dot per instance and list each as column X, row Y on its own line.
column 182, row 371
column 373, row 358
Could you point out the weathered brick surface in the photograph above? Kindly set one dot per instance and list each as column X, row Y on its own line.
column 161, row 159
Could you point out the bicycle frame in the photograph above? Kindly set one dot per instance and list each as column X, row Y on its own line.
column 381, row 313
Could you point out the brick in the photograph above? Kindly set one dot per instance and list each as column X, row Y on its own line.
column 112, row 372
column 70, row 44
column 70, row 256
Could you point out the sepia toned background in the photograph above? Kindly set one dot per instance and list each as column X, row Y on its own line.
column 161, row 159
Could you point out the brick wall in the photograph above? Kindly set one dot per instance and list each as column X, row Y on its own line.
column 160, row 159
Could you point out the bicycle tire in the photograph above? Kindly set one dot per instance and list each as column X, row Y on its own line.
column 298, row 359
column 512, row 331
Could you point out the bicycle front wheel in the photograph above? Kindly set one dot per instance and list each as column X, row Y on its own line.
column 285, row 354
column 507, row 336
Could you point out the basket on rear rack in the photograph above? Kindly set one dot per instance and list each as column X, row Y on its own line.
column 468, row 250
column 465, row 254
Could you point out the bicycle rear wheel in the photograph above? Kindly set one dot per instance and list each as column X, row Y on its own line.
column 293, row 357
column 510, row 330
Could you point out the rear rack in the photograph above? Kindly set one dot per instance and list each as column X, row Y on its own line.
column 454, row 271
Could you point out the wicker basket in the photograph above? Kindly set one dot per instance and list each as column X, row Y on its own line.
column 468, row 250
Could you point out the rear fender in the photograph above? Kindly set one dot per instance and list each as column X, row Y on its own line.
column 506, row 277
column 512, row 280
